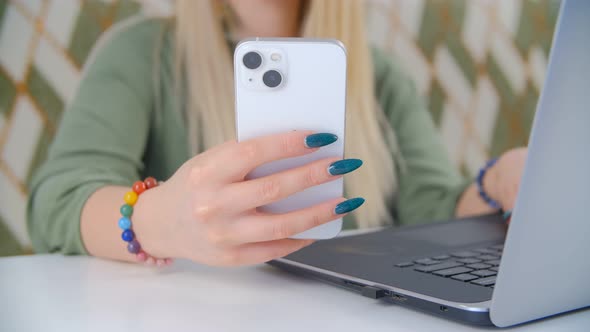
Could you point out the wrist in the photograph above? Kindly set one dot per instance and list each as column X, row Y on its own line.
column 489, row 183
column 486, row 182
column 148, row 224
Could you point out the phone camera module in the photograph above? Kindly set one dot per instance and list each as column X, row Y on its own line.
column 252, row 60
column 272, row 78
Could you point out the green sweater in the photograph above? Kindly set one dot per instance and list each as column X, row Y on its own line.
column 110, row 135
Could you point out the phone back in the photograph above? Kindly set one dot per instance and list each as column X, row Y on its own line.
column 289, row 84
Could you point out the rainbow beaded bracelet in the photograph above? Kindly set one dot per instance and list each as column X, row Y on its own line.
column 125, row 224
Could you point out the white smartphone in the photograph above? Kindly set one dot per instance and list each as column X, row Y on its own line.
column 285, row 84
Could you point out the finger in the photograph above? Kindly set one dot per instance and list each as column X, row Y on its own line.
column 256, row 253
column 507, row 215
column 242, row 196
column 270, row 227
column 235, row 161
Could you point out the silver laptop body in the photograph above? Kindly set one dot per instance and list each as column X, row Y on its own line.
column 545, row 262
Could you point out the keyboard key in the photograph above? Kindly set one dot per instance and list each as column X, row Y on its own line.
column 488, row 257
column 486, row 251
column 426, row 261
column 464, row 277
column 478, row 266
column 498, row 247
column 444, row 265
column 495, row 268
column 452, row 271
column 441, row 257
column 464, row 254
column 489, row 281
column 469, row 260
column 404, row 264
column 494, row 262
column 484, row 273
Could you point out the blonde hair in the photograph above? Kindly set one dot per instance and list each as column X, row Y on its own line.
column 204, row 58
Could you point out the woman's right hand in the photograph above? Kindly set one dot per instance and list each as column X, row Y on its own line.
column 207, row 212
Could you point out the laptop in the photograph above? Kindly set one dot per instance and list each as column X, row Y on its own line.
column 479, row 270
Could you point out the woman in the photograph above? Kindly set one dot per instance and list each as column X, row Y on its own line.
column 157, row 100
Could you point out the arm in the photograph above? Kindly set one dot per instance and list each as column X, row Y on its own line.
column 501, row 183
column 429, row 185
column 100, row 144
column 430, row 188
column 470, row 204
column 98, row 226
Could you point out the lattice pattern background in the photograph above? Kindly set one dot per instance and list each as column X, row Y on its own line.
column 479, row 63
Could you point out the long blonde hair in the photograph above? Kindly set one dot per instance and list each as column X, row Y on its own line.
column 204, row 58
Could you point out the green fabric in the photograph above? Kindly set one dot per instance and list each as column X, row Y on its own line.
column 110, row 135
column 429, row 186
column 8, row 244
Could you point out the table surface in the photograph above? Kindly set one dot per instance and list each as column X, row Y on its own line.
column 57, row 293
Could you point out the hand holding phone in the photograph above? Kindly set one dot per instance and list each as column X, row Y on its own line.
column 207, row 211
column 289, row 84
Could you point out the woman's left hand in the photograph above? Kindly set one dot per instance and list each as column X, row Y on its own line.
column 502, row 180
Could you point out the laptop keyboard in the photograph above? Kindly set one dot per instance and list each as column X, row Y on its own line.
column 477, row 266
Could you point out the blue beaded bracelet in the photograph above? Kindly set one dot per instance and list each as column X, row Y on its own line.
column 479, row 181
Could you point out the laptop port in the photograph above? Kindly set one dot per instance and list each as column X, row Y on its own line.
column 398, row 298
column 443, row 308
column 374, row 292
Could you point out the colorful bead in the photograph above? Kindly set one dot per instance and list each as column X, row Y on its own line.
column 141, row 256
column 139, row 187
column 124, row 223
column 126, row 210
column 127, row 235
column 133, row 247
column 150, row 182
column 130, row 198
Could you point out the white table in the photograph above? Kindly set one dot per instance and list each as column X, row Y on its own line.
column 57, row 293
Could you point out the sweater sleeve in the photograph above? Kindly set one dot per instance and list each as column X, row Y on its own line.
column 101, row 138
column 429, row 185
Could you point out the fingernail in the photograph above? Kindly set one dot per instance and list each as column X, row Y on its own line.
column 507, row 214
column 344, row 166
column 320, row 139
column 349, row 205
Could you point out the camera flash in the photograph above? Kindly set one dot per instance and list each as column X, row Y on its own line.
column 275, row 57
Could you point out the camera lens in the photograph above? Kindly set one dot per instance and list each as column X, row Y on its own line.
column 272, row 78
column 252, row 60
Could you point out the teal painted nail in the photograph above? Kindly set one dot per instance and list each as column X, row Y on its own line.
column 320, row 139
column 349, row 205
column 344, row 166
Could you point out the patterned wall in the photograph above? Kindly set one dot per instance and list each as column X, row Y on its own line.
column 479, row 63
